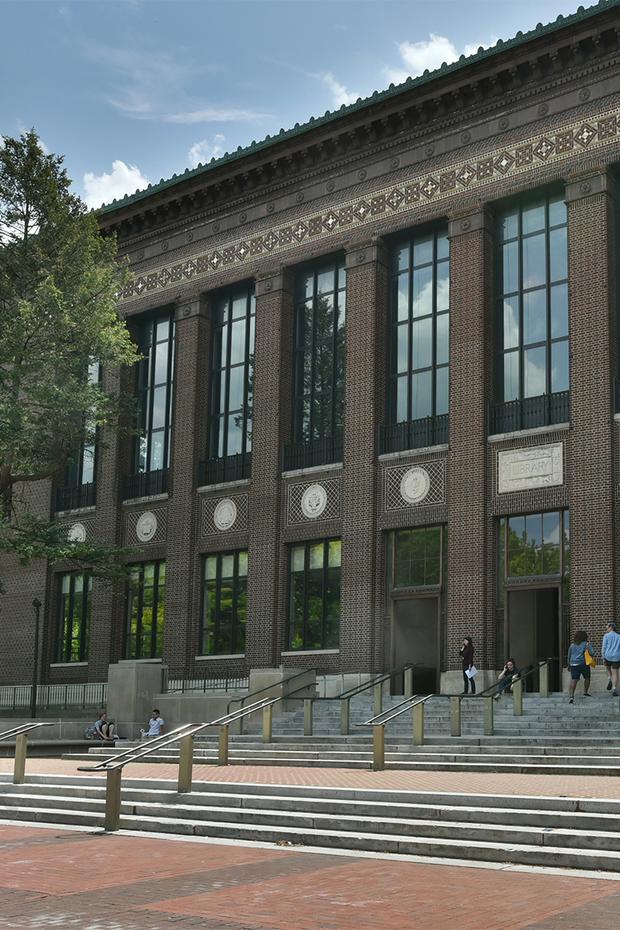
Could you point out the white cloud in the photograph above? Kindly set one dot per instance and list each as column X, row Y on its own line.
column 339, row 92
column 427, row 54
column 208, row 115
column 202, row 152
column 103, row 188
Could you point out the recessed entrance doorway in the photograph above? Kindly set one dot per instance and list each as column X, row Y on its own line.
column 415, row 639
column 533, row 628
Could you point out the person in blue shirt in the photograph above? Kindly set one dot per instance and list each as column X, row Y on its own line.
column 577, row 664
column 611, row 656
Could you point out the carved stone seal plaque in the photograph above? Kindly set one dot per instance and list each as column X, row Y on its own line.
column 77, row 533
column 146, row 527
column 314, row 501
column 415, row 485
column 225, row 514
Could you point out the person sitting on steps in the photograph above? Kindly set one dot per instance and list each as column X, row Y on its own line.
column 102, row 729
column 508, row 674
column 466, row 653
column 578, row 665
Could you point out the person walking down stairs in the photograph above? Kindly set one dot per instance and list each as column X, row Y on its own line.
column 580, row 660
column 466, row 653
column 611, row 656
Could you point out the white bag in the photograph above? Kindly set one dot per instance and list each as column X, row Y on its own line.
column 471, row 672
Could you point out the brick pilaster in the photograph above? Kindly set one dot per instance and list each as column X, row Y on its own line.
column 270, row 428
column 592, row 345
column 361, row 638
column 469, row 612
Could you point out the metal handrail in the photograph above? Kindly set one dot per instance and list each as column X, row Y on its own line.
column 352, row 692
column 24, row 728
column 276, row 684
column 521, row 677
column 409, row 702
column 152, row 744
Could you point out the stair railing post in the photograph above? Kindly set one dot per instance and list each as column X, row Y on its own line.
column 19, row 766
column 186, row 762
column 408, row 689
column 308, row 709
column 543, row 680
column 267, row 723
column 112, row 816
column 378, row 698
column 378, row 747
column 344, row 716
column 455, row 715
column 488, row 714
column 222, row 748
column 517, row 697
column 418, row 725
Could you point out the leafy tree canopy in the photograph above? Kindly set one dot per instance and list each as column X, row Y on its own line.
column 59, row 278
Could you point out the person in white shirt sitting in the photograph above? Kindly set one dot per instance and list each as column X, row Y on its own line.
column 155, row 726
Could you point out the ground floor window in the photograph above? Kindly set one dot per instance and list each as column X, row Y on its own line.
column 146, row 603
column 74, row 602
column 224, row 603
column 314, row 595
column 534, row 544
column 417, row 557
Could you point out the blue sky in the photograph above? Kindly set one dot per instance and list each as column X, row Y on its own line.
column 131, row 91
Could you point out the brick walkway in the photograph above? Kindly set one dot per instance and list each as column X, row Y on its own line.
column 91, row 881
column 584, row 786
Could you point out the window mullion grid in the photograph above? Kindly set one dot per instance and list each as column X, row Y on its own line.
column 304, row 628
column 154, row 609
column 410, row 337
column 83, row 618
column 434, row 332
column 324, row 593
column 139, row 613
column 168, row 411
column 313, row 358
column 334, row 350
column 521, row 357
column 246, row 372
column 235, row 603
column 229, row 328
column 150, row 396
column 217, row 647
column 548, row 299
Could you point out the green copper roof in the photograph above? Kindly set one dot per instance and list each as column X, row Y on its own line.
column 298, row 129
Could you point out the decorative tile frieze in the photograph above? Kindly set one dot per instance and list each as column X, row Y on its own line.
column 406, row 486
column 309, row 502
column 549, row 147
column 222, row 515
column 146, row 527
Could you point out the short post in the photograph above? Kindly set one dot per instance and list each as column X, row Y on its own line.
column 19, row 768
column 186, row 762
column 344, row 716
column 543, row 677
column 408, row 689
column 308, row 708
column 267, row 723
column 378, row 747
column 418, row 724
column 112, row 818
column 517, row 697
column 488, row 714
column 455, row 715
column 222, row 749
column 378, row 698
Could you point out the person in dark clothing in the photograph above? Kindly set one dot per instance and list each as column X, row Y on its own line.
column 466, row 653
column 509, row 673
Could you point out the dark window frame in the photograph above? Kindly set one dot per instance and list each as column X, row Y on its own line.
column 146, row 386
column 65, row 624
column 503, row 525
column 236, row 625
column 219, row 413
column 442, row 528
column 139, row 589
column 307, row 545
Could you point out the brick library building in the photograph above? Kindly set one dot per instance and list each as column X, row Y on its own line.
column 377, row 396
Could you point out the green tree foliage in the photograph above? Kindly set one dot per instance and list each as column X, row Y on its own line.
column 59, row 278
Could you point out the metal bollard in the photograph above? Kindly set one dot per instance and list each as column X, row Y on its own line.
column 455, row 716
column 488, row 715
column 344, row 716
column 378, row 698
column 543, row 677
column 517, row 698
column 418, row 725
column 186, row 762
column 408, row 689
column 308, row 709
column 222, row 749
column 19, row 767
column 112, row 817
column 267, row 723
column 378, row 747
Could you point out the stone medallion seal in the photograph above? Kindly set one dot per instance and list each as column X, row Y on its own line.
column 146, row 527
column 225, row 514
column 314, row 501
column 415, row 485
column 77, row 533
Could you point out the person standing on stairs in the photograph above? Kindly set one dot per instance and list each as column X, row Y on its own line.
column 578, row 664
column 611, row 656
column 466, row 653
